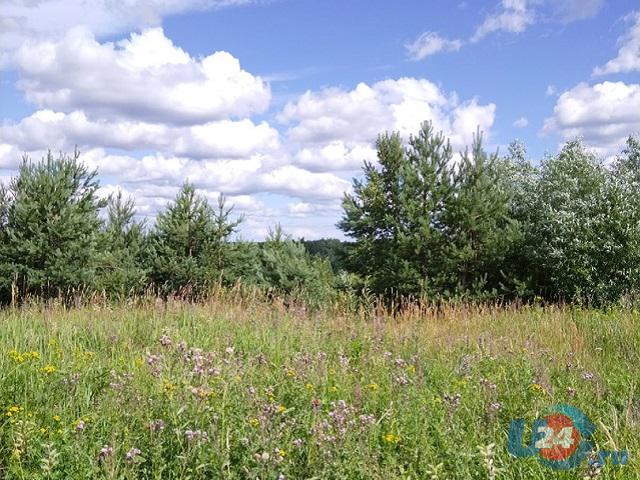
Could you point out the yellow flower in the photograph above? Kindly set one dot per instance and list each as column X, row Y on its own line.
column 391, row 438
column 34, row 355
column 43, row 430
column 16, row 356
column 536, row 387
column 373, row 386
column 281, row 453
column 411, row 369
column 332, row 371
column 56, row 418
column 309, row 386
column 282, row 409
column 49, row 369
column 14, row 409
column 168, row 386
column 254, row 422
column 333, row 389
column 291, row 372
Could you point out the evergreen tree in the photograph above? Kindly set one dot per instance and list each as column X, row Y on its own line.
column 478, row 224
column 422, row 225
column 122, row 243
column 187, row 243
column 50, row 227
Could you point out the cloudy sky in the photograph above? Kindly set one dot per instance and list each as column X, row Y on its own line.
column 276, row 103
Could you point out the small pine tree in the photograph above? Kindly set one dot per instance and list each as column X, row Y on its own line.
column 122, row 241
column 50, row 227
column 187, row 243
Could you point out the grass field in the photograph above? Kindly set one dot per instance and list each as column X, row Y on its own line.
column 233, row 389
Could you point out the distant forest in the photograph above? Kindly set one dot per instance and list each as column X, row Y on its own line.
column 423, row 221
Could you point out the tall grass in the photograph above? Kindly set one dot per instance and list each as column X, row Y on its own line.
column 238, row 387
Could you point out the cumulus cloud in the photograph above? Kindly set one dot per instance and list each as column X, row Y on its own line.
column 144, row 77
column 514, row 16
column 22, row 20
column 430, row 43
column 359, row 115
column 628, row 58
column 222, row 139
column 604, row 114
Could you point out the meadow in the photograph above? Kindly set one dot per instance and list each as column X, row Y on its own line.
column 244, row 388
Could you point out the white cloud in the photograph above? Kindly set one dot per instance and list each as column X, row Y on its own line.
column 59, row 131
column 604, row 114
column 551, row 90
column 515, row 16
column 628, row 59
column 521, row 122
column 306, row 209
column 357, row 116
column 336, row 155
column 430, row 43
column 22, row 20
column 572, row 10
column 144, row 77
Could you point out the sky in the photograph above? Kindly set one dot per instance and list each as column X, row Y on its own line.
column 277, row 103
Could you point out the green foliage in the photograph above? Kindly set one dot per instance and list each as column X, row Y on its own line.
column 245, row 390
column 122, row 243
column 188, row 243
column 423, row 225
column 332, row 249
column 50, row 228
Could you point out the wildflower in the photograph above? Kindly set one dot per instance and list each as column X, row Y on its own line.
column 56, row 418
column 105, row 452
column 165, row 341
column 291, row 372
column 373, row 387
column 254, row 422
column 279, row 454
column 587, row 375
column 571, row 392
column 262, row 457
column 367, row 419
column 194, row 435
column 333, row 389
column 391, row 438
column 132, row 454
column 33, row 355
column 167, row 386
column 298, row 442
column 282, row 409
column 49, row 369
column 79, row 425
column 309, row 386
column 536, row 387
column 156, row 425
column 43, row 430
column 229, row 351
column 411, row 369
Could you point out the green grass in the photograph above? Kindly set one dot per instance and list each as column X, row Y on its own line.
column 269, row 392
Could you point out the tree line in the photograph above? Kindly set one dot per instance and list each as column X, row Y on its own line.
column 429, row 223
column 424, row 222
column 60, row 239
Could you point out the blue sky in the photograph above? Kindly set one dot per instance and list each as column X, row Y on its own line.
column 280, row 119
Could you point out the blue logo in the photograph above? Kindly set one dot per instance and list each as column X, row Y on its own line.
column 561, row 440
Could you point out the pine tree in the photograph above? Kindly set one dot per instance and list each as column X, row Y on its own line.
column 187, row 242
column 122, row 241
column 50, row 227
